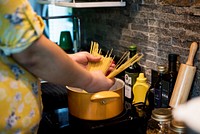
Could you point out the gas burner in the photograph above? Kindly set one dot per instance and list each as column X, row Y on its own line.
column 126, row 120
column 124, row 116
column 129, row 119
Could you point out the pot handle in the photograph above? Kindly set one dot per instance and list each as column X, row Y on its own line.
column 104, row 95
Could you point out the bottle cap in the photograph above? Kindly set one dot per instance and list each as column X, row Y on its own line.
column 177, row 126
column 132, row 47
column 141, row 77
column 161, row 68
column 162, row 114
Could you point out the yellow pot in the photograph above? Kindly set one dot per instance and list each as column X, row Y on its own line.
column 96, row 106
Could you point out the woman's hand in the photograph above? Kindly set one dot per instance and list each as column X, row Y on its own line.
column 99, row 82
column 84, row 57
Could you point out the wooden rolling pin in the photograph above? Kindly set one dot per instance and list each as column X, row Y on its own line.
column 184, row 79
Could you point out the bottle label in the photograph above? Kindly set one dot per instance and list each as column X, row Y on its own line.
column 128, row 91
column 130, row 79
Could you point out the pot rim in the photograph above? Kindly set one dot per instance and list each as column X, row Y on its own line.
column 82, row 91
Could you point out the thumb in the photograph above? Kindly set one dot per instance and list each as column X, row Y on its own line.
column 93, row 58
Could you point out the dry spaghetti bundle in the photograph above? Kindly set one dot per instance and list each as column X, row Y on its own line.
column 120, row 66
column 105, row 61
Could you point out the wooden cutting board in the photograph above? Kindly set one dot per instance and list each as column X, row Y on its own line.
column 184, row 79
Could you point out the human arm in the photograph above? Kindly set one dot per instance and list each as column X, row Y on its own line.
column 21, row 36
column 49, row 62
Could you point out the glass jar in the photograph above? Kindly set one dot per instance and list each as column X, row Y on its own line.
column 177, row 127
column 159, row 121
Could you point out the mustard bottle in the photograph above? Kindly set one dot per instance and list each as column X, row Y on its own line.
column 140, row 89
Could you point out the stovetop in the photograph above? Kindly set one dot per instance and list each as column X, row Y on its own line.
column 60, row 123
column 57, row 119
column 126, row 124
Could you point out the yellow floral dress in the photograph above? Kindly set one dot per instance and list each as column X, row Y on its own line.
column 20, row 94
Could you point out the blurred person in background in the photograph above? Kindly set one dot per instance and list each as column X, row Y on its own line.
column 189, row 113
column 26, row 57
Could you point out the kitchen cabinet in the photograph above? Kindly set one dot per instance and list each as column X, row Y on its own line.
column 90, row 4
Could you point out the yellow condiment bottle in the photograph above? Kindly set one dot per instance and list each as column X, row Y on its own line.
column 140, row 89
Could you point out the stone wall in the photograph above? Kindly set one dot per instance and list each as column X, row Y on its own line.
column 157, row 27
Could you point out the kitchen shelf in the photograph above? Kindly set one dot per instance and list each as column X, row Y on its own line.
column 75, row 4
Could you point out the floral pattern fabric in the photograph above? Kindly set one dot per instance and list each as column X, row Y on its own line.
column 20, row 94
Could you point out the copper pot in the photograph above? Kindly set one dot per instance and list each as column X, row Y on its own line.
column 96, row 106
